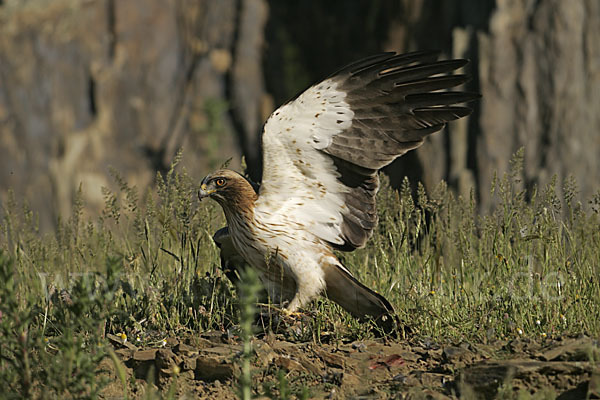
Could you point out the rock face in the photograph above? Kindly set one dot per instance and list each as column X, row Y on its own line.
column 536, row 63
column 85, row 85
column 539, row 72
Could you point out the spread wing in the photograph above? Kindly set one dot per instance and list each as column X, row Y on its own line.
column 323, row 149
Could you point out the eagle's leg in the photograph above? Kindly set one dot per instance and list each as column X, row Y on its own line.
column 279, row 294
column 309, row 285
column 294, row 305
column 289, row 301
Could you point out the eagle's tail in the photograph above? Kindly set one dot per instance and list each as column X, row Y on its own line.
column 358, row 299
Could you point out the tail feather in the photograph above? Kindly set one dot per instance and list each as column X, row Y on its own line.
column 358, row 299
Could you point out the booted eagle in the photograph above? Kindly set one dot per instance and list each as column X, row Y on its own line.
column 321, row 155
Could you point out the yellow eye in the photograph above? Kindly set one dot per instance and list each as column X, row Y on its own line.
column 220, row 182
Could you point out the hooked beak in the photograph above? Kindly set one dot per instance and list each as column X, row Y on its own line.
column 204, row 191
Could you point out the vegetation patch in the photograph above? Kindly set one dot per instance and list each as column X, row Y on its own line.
column 134, row 304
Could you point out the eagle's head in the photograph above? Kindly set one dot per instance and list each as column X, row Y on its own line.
column 230, row 189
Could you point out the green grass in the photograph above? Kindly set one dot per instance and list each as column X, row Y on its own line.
column 532, row 266
column 147, row 267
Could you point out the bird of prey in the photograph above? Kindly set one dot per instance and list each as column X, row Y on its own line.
column 321, row 155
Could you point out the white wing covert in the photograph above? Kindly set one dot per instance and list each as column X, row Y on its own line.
column 322, row 150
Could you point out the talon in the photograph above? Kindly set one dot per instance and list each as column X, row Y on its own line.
column 292, row 314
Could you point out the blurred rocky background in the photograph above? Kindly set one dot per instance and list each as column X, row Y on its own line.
column 86, row 85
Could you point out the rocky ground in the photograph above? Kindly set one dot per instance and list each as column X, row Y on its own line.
column 206, row 366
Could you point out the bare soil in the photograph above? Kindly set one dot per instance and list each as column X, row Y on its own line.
column 206, row 366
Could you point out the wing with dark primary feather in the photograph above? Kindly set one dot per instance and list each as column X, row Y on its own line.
column 322, row 151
